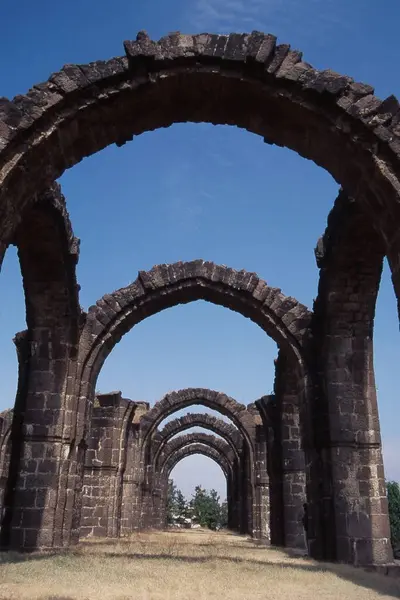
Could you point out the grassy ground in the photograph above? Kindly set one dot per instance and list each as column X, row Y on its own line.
column 183, row 565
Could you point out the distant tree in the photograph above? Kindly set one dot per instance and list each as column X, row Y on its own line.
column 214, row 510
column 198, row 505
column 176, row 503
column 393, row 491
column 205, row 507
column 171, row 500
column 180, row 500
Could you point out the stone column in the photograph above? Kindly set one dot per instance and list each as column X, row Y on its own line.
column 40, row 500
column 261, row 505
column 105, row 465
column 355, row 521
column 287, row 387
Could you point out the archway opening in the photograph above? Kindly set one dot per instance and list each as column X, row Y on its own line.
column 386, row 357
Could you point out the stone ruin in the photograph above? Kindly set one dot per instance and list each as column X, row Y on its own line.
column 75, row 464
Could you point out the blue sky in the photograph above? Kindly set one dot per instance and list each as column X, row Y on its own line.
column 198, row 191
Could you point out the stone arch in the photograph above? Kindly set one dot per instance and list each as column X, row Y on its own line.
column 324, row 116
column 197, row 449
column 225, row 430
column 155, row 500
column 175, row 401
column 245, row 419
column 236, row 79
column 281, row 317
column 196, row 438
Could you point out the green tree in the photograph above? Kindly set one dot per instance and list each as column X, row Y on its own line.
column 171, row 500
column 205, row 507
column 214, row 510
column 180, row 500
column 224, row 514
column 176, row 503
column 393, row 491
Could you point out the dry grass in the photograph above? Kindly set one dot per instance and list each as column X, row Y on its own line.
column 183, row 565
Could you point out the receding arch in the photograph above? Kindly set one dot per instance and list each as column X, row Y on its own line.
column 197, row 449
column 244, row 419
column 281, row 317
column 226, row 431
column 196, row 438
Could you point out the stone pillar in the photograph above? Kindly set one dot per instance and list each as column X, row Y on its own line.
column 261, row 507
column 38, row 511
column 105, row 465
column 40, row 500
column 355, row 521
column 131, row 478
column 234, row 496
column 287, row 389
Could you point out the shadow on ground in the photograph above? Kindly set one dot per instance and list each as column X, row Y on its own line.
column 379, row 583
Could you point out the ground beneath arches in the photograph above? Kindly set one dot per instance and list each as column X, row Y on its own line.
column 183, row 565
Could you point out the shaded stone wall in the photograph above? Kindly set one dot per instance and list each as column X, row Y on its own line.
column 6, row 418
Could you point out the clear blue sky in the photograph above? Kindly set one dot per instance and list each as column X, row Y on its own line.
column 197, row 191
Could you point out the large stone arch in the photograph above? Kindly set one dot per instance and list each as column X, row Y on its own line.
column 322, row 115
column 225, row 430
column 240, row 79
column 48, row 253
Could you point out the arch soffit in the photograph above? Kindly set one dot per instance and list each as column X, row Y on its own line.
column 225, row 430
column 326, row 117
column 197, row 449
column 195, row 438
